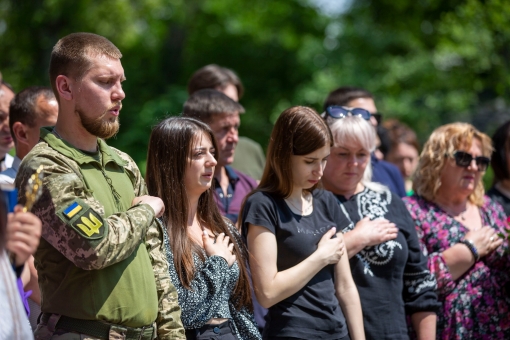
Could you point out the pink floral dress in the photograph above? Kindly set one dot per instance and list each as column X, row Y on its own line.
column 477, row 305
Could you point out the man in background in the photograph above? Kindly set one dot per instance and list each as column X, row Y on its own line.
column 221, row 113
column 383, row 172
column 250, row 157
column 31, row 109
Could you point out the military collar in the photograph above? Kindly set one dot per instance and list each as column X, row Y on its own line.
column 78, row 155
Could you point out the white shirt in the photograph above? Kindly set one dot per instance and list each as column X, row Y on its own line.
column 13, row 318
column 9, row 175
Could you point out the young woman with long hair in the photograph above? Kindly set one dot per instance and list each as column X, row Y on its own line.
column 207, row 258
column 291, row 231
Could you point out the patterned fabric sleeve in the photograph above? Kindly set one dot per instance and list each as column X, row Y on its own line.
column 244, row 320
column 435, row 262
column 208, row 291
column 419, row 284
column 496, row 217
column 169, row 325
column 108, row 241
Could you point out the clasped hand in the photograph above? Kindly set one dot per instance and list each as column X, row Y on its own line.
column 23, row 234
column 331, row 248
column 485, row 239
column 154, row 202
column 219, row 246
column 374, row 232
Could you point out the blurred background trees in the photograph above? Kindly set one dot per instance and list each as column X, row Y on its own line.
column 428, row 62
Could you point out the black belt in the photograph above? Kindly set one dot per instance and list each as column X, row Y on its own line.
column 99, row 329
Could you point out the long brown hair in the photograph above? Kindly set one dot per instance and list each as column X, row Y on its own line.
column 298, row 131
column 170, row 148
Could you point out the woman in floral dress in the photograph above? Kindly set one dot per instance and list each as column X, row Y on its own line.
column 458, row 226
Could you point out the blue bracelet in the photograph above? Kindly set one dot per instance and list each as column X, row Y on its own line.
column 472, row 248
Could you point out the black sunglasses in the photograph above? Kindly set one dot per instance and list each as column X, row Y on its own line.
column 378, row 117
column 339, row 112
column 464, row 159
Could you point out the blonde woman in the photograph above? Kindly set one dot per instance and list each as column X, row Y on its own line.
column 458, row 225
column 385, row 258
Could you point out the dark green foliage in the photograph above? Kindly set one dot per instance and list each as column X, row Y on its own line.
column 428, row 62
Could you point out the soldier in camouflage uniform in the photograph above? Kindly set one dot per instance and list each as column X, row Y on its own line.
column 102, row 269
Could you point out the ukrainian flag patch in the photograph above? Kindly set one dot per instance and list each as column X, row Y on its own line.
column 72, row 210
column 82, row 218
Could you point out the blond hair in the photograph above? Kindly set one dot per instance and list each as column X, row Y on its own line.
column 356, row 130
column 442, row 143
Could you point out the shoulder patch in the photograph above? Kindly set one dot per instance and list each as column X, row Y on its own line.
column 82, row 218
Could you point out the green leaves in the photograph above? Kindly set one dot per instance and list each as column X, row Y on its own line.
column 428, row 62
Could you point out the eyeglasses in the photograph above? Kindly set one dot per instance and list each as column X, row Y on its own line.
column 464, row 159
column 340, row 112
column 378, row 117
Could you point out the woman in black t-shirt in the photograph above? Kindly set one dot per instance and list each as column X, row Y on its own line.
column 295, row 254
column 381, row 241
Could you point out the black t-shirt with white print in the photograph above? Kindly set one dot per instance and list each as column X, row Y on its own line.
column 392, row 277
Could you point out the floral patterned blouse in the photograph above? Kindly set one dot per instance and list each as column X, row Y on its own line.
column 211, row 295
column 477, row 305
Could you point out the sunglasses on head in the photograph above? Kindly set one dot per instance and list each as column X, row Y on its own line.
column 463, row 159
column 340, row 112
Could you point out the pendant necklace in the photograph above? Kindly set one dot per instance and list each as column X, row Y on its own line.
column 301, row 210
column 462, row 214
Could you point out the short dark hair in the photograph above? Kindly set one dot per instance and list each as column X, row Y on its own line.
column 23, row 107
column 71, row 55
column 499, row 160
column 204, row 103
column 213, row 76
column 343, row 95
column 399, row 132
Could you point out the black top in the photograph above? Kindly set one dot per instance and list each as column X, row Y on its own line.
column 313, row 312
column 499, row 197
column 392, row 277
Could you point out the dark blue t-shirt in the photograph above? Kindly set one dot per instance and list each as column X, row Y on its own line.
column 313, row 312
column 389, row 175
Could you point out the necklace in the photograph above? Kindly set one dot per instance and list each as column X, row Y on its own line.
column 462, row 214
column 301, row 210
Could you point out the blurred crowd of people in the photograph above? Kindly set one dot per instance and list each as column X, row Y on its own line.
column 345, row 229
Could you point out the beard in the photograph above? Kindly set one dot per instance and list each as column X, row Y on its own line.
column 99, row 127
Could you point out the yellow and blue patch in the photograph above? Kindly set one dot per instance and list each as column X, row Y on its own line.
column 82, row 218
column 72, row 210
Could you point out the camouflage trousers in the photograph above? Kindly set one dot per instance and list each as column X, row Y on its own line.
column 49, row 332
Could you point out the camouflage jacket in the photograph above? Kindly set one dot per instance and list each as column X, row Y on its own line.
column 105, row 238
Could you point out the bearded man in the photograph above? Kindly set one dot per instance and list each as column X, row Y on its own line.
column 101, row 265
